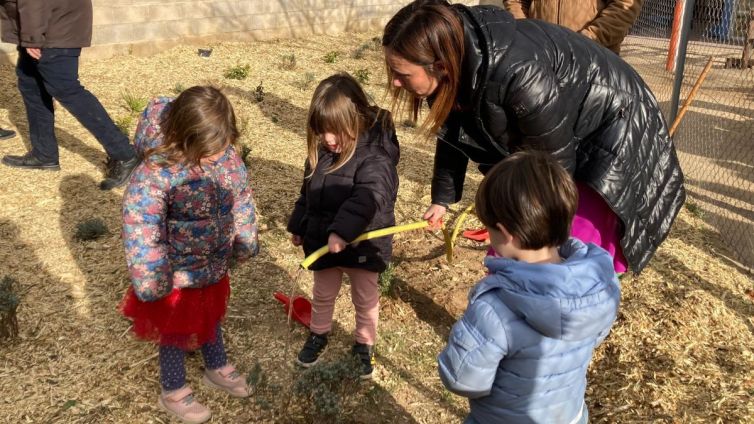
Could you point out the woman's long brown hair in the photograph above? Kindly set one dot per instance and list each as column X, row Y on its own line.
column 199, row 124
column 339, row 106
column 427, row 33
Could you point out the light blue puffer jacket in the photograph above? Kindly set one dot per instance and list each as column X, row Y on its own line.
column 521, row 350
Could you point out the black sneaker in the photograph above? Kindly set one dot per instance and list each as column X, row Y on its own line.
column 365, row 353
column 312, row 350
column 118, row 172
column 28, row 161
column 6, row 134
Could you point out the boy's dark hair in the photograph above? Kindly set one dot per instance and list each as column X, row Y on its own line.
column 532, row 196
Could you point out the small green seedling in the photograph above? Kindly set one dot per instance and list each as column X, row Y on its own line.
column 259, row 93
column 91, row 229
column 178, row 88
column 331, row 57
column 238, row 72
column 409, row 123
column 358, row 53
column 133, row 103
column 124, row 124
column 307, row 81
column 361, row 75
column 245, row 152
column 8, row 305
column 288, row 61
column 387, row 279
column 695, row 209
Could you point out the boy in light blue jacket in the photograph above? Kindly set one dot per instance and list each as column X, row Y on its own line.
column 521, row 350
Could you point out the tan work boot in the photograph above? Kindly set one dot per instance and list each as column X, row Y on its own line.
column 181, row 404
column 228, row 380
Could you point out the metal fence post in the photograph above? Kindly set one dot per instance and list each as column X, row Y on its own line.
column 681, row 59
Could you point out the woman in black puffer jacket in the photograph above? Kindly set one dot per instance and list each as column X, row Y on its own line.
column 496, row 85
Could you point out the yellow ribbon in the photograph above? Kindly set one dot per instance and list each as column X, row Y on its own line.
column 449, row 237
column 322, row 251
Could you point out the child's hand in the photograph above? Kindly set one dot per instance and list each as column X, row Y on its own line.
column 434, row 215
column 335, row 244
column 297, row 240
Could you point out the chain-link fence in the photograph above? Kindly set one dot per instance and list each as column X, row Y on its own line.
column 715, row 138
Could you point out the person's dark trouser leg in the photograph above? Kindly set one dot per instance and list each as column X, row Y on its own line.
column 59, row 69
column 39, row 109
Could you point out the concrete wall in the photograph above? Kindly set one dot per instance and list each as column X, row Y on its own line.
column 148, row 26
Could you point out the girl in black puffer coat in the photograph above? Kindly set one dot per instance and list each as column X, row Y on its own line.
column 350, row 186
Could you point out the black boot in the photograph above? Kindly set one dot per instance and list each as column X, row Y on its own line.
column 28, row 161
column 365, row 354
column 313, row 348
column 6, row 134
column 118, row 172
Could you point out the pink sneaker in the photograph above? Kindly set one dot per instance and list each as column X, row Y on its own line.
column 228, row 380
column 181, row 404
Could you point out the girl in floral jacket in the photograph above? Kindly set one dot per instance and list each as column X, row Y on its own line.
column 187, row 213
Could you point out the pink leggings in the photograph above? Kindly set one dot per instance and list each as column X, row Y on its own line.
column 364, row 295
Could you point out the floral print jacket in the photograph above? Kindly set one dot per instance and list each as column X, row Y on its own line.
column 182, row 225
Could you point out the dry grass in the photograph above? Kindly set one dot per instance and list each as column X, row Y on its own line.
column 681, row 351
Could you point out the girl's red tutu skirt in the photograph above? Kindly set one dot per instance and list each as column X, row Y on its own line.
column 186, row 318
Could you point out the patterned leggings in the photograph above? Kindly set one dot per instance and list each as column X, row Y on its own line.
column 172, row 362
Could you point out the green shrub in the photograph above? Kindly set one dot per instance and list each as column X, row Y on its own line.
column 238, row 72
column 387, row 279
column 91, row 229
column 326, row 388
column 268, row 396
